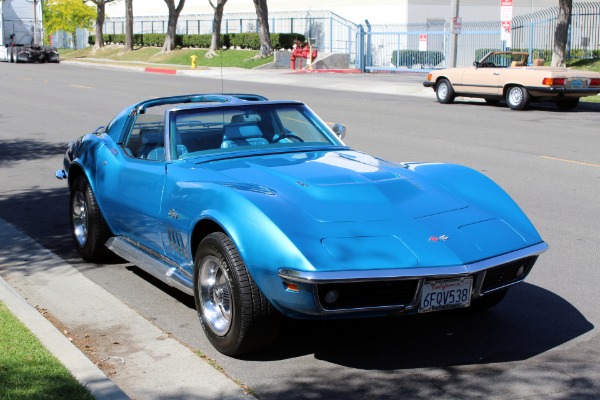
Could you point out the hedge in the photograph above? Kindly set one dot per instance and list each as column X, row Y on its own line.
column 238, row 40
column 412, row 57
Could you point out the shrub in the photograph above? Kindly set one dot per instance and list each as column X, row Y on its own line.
column 242, row 40
column 412, row 57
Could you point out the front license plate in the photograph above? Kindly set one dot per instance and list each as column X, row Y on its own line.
column 444, row 294
column 576, row 83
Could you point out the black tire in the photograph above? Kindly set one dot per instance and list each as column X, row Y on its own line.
column 88, row 227
column 488, row 301
column 568, row 104
column 517, row 98
column 444, row 92
column 234, row 314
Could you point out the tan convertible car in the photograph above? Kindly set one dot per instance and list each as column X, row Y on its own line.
column 506, row 75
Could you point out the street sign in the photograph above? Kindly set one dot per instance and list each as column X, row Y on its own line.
column 422, row 42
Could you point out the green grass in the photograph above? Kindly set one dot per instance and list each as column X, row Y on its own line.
column 587, row 64
column 27, row 370
column 179, row 57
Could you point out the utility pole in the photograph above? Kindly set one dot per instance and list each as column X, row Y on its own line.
column 453, row 35
column 35, row 22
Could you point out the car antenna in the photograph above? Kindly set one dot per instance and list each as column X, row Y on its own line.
column 221, row 57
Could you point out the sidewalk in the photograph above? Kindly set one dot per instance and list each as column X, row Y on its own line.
column 394, row 84
column 149, row 364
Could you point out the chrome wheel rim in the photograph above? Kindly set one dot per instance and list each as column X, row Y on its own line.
column 215, row 295
column 79, row 216
column 443, row 92
column 515, row 96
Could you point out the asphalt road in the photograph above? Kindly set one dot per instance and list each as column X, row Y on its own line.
column 541, row 342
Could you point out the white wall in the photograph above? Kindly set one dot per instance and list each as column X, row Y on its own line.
column 376, row 11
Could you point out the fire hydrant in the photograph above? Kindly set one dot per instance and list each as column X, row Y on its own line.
column 301, row 51
column 194, row 61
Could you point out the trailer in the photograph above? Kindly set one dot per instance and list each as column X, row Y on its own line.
column 21, row 33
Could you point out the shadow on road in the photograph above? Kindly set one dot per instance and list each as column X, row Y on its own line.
column 16, row 150
column 530, row 321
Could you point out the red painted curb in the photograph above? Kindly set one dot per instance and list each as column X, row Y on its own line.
column 324, row 71
column 161, row 70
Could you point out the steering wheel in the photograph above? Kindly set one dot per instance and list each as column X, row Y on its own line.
column 286, row 136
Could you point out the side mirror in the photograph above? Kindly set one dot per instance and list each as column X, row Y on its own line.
column 476, row 64
column 339, row 130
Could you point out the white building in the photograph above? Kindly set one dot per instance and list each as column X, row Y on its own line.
column 376, row 11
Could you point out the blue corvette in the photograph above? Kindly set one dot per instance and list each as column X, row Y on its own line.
column 258, row 210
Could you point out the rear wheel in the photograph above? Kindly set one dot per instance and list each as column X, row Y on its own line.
column 235, row 315
column 444, row 92
column 517, row 98
column 568, row 104
column 89, row 229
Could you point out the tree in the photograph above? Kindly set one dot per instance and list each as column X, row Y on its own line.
column 561, row 33
column 128, row 25
column 100, row 15
column 68, row 15
column 172, row 24
column 215, row 42
column 262, row 13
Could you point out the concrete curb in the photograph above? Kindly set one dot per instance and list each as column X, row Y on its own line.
column 154, row 365
column 86, row 372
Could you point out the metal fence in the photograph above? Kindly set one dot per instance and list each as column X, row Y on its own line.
column 407, row 47
column 422, row 47
column 535, row 31
column 327, row 31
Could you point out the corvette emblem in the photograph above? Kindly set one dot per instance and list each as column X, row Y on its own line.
column 442, row 238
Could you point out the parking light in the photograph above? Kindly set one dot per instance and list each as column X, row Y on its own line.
column 292, row 287
column 554, row 81
column 594, row 82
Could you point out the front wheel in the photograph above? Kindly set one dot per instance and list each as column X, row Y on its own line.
column 444, row 92
column 89, row 229
column 517, row 98
column 234, row 314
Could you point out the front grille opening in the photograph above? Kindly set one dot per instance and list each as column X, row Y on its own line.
column 343, row 296
column 507, row 273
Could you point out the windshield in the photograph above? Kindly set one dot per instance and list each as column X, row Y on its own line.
column 197, row 131
column 504, row 59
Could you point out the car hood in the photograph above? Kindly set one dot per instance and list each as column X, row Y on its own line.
column 348, row 210
column 341, row 186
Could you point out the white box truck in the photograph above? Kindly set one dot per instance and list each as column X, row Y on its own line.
column 21, row 32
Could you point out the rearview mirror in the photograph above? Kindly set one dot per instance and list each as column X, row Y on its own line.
column 339, row 130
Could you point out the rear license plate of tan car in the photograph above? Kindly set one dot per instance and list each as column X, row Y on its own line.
column 576, row 83
column 444, row 294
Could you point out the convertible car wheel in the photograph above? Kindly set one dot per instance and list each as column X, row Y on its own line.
column 517, row 98
column 444, row 92
column 235, row 315
column 88, row 226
